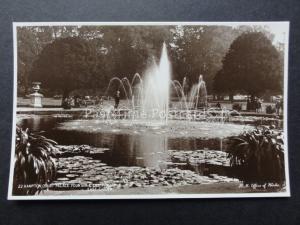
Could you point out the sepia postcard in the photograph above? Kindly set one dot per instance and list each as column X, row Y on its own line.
column 133, row 110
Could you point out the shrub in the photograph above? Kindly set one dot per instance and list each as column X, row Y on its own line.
column 237, row 107
column 258, row 156
column 34, row 165
column 270, row 109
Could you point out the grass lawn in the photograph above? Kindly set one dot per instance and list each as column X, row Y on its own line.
column 48, row 102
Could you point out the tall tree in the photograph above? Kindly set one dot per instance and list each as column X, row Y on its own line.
column 252, row 65
column 30, row 42
column 66, row 64
column 200, row 50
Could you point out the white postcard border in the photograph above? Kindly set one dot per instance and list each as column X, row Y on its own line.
column 287, row 193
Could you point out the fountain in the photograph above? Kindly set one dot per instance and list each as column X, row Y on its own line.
column 151, row 95
column 147, row 98
column 198, row 94
column 156, row 90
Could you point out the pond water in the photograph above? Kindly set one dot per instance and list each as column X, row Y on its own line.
column 129, row 149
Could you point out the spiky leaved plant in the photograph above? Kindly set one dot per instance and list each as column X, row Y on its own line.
column 34, row 165
column 259, row 156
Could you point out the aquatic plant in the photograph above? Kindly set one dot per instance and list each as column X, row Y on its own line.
column 259, row 156
column 34, row 165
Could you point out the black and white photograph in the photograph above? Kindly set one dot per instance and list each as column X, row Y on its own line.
column 132, row 110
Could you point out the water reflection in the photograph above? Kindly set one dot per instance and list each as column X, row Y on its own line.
column 132, row 150
column 150, row 150
column 144, row 150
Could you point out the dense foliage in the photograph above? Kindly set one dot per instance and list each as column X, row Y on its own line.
column 66, row 64
column 252, row 66
column 119, row 51
column 259, row 157
column 34, row 163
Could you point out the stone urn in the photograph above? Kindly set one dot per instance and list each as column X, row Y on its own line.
column 36, row 98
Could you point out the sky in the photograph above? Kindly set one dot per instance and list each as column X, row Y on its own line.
column 279, row 29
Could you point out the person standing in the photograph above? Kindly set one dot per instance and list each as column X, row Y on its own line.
column 117, row 99
column 277, row 106
column 259, row 105
column 281, row 106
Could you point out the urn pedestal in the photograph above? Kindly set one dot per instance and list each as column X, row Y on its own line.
column 36, row 98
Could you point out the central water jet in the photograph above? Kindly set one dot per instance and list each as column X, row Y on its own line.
column 156, row 90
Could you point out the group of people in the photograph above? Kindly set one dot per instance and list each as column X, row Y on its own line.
column 83, row 101
column 255, row 104
column 80, row 101
column 68, row 102
column 279, row 106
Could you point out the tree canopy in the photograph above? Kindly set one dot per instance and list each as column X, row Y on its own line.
column 200, row 50
column 252, row 65
column 119, row 51
column 65, row 64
